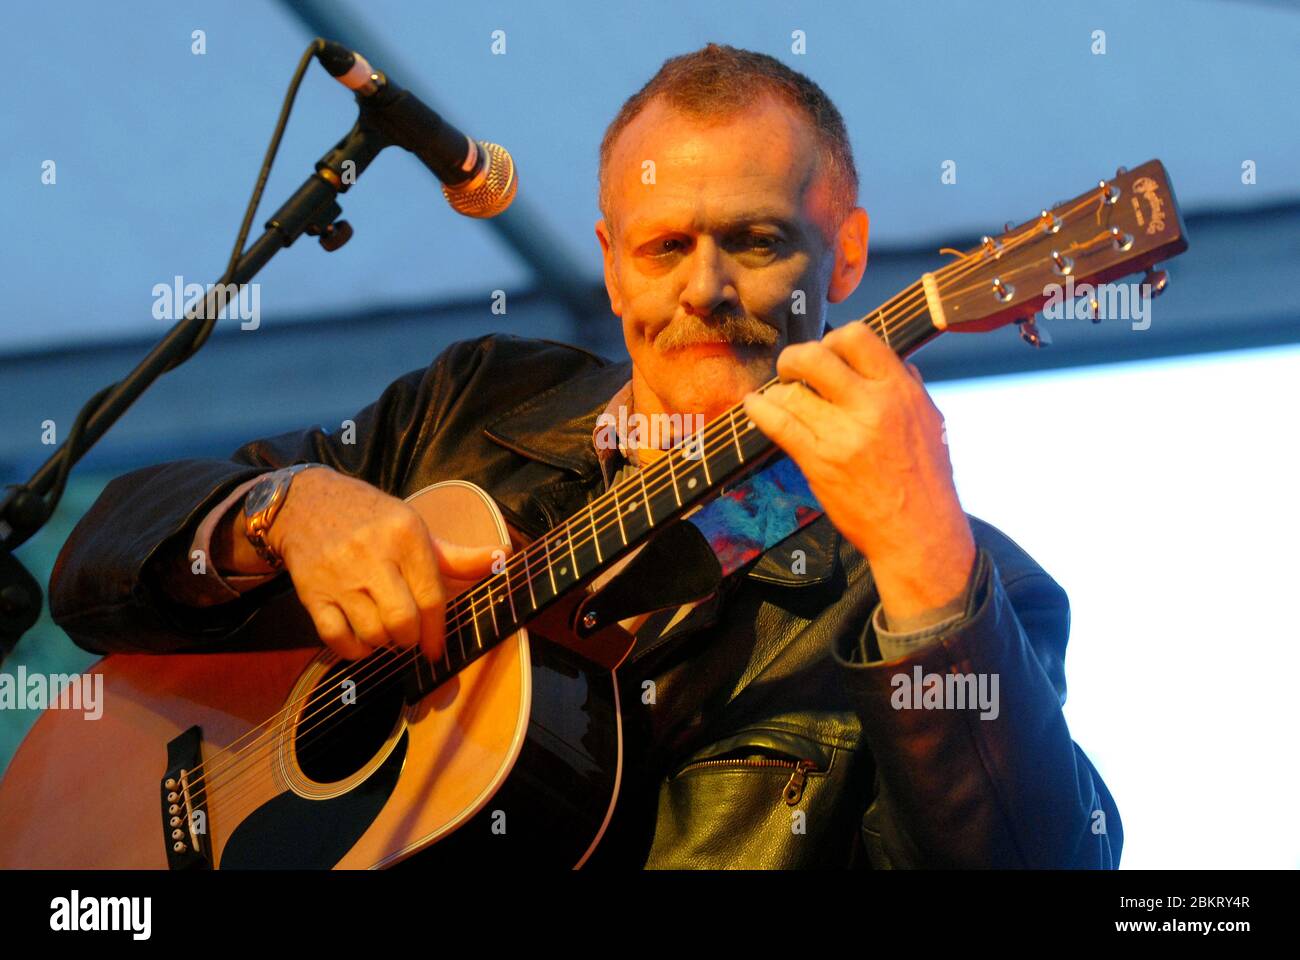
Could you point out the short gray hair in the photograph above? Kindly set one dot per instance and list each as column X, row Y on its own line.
column 719, row 82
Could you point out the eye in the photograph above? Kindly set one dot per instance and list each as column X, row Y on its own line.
column 763, row 243
column 664, row 247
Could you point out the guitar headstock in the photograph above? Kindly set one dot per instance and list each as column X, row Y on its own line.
column 1125, row 225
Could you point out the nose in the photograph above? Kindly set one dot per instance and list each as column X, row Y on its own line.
column 709, row 285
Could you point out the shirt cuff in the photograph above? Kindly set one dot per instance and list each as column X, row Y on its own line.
column 209, row 587
column 889, row 645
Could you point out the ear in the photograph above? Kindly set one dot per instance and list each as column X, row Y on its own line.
column 850, row 256
column 606, row 239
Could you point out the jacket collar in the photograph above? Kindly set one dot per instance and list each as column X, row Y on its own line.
column 555, row 427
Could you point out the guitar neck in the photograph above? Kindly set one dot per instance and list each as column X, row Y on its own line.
column 566, row 557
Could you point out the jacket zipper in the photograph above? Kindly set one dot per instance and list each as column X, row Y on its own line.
column 793, row 790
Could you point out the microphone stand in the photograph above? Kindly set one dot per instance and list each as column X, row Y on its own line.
column 25, row 508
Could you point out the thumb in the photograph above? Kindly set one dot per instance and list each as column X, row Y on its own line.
column 465, row 562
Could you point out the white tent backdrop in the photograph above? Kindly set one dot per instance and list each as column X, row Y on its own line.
column 1161, row 496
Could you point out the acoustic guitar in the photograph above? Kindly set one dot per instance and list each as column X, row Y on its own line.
column 299, row 759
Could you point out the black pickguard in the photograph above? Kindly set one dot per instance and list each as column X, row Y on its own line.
column 297, row 833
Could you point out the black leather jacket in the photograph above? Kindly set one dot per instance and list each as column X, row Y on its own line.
column 772, row 741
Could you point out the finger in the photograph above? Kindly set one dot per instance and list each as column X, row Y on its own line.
column 363, row 615
column 463, row 562
column 397, row 608
column 863, row 350
column 419, row 568
column 916, row 374
column 829, row 424
column 819, row 415
column 333, row 629
column 823, row 370
column 780, row 425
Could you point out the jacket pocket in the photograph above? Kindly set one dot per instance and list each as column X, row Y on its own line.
column 765, row 749
column 762, row 798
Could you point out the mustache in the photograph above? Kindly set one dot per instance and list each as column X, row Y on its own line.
column 738, row 328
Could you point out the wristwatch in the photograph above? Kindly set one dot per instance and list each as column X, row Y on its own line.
column 261, row 505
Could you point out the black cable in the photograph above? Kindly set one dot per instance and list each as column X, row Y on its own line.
column 272, row 148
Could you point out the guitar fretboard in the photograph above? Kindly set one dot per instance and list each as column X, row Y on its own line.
column 629, row 512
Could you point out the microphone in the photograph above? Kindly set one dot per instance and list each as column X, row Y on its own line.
column 478, row 177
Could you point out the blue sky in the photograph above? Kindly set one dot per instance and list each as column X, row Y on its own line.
column 156, row 148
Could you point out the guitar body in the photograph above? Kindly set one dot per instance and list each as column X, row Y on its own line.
column 514, row 759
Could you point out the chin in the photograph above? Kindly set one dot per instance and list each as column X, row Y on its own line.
column 711, row 378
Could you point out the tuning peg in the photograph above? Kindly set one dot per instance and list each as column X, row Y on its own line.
column 1157, row 281
column 1032, row 334
column 1120, row 171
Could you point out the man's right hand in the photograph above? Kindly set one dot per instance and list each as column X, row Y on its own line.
column 363, row 563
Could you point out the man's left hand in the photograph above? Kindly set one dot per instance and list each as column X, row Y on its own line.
column 871, row 444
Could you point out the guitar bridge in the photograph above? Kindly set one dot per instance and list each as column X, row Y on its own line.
column 184, row 808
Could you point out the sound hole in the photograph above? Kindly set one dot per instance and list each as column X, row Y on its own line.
column 347, row 718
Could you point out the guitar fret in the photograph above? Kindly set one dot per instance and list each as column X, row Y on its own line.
column 731, row 418
column 673, row 474
column 618, row 512
column 528, row 577
column 595, row 534
column 510, row 595
column 550, row 568
column 568, row 532
column 645, row 498
column 492, row 609
column 460, row 637
column 693, row 451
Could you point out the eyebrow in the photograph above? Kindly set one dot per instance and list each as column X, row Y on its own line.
column 741, row 219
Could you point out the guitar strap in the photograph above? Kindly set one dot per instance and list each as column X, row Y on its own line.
column 690, row 559
column 734, row 529
column 744, row 522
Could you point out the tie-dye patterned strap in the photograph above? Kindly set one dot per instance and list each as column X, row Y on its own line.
column 745, row 522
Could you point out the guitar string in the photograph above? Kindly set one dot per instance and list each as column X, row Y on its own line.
column 723, row 427
column 950, row 271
